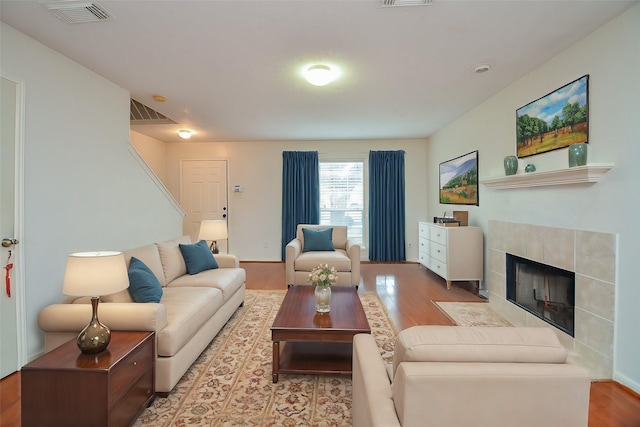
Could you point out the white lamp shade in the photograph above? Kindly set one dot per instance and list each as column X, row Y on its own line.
column 213, row 229
column 95, row 274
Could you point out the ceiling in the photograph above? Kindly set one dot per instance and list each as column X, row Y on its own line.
column 230, row 70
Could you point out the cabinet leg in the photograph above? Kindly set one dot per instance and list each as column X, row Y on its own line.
column 275, row 367
column 448, row 284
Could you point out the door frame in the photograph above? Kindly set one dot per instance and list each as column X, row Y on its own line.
column 17, row 286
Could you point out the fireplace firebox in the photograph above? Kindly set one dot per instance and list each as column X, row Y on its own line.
column 545, row 291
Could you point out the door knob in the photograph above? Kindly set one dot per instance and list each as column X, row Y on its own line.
column 9, row 242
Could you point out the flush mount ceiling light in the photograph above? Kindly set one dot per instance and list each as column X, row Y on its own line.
column 184, row 133
column 321, row 74
column 481, row 68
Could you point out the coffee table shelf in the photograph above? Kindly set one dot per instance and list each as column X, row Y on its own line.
column 323, row 358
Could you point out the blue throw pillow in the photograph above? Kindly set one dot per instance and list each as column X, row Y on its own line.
column 143, row 284
column 198, row 257
column 318, row 240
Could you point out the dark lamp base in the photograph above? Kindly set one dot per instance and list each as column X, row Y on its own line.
column 95, row 337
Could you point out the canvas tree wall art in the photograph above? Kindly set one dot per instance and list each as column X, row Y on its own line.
column 459, row 180
column 557, row 120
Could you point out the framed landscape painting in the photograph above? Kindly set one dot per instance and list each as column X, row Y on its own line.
column 459, row 180
column 556, row 120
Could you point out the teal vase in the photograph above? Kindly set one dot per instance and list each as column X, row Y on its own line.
column 578, row 154
column 510, row 165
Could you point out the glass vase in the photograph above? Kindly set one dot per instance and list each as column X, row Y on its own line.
column 578, row 154
column 323, row 299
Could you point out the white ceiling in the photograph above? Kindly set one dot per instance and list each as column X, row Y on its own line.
column 230, row 70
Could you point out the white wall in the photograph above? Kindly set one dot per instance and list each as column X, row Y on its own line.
column 255, row 214
column 611, row 56
column 83, row 188
column 153, row 151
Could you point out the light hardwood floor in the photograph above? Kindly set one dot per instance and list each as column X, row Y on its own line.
column 408, row 291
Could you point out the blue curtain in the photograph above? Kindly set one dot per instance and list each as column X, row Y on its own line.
column 386, row 206
column 300, row 192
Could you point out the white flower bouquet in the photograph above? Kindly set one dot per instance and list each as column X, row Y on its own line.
column 323, row 276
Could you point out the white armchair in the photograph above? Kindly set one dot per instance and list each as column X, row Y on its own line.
column 345, row 257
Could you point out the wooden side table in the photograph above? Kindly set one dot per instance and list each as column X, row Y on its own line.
column 67, row 388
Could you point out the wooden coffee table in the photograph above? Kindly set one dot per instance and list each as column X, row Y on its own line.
column 316, row 343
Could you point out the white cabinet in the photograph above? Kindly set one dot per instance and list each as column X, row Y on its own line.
column 453, row 253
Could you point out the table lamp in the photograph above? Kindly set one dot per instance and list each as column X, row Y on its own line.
column 95, row 274
column 214, row 230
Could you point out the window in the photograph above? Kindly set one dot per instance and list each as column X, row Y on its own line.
column 342, row 197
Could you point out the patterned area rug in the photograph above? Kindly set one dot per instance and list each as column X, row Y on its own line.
column 230, row 384
column 472, row 314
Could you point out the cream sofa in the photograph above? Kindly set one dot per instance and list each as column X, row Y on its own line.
column 345, row 258
column 192, row 310
column 451, row 376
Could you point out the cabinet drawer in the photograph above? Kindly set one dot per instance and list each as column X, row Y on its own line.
column 423, row 259
column 423, row 246
column 439, row 235
column 438, row 267
column 423, row 230
column 136, row 399
column 131, row 368
column 438, row 252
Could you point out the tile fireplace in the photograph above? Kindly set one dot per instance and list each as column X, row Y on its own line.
column 589, row 256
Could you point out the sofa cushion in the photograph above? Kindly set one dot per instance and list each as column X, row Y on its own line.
column 143, row 284
column 227, row 280
column 173, row 264
column 150, row 256
column 318, row 240
column 187, row 310
column 338, row 259
column 478, row 344
column 339, row 235
column 198, row 257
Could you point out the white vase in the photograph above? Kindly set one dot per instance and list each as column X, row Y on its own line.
column 323, row 299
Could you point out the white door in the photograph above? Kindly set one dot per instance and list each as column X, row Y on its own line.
column 11, row 296
column 203, row 194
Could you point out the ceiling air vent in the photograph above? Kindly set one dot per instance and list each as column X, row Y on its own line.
column 76, row 12
column 140, row 114
column 406, row 2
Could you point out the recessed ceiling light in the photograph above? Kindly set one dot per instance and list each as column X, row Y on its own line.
column 159, row 98
column 184, row 133
column 321, row 74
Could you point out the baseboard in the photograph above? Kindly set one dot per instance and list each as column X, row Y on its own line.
column 625, row 382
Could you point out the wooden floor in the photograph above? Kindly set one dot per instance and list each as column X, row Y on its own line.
column 407, row 291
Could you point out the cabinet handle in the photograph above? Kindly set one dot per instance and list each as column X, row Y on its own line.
column 135, row 363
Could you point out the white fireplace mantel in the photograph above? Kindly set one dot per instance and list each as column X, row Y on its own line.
column 575, row 175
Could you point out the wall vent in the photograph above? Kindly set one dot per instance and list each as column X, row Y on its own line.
column 77, row 12
column 406, row 2
column 140, row 114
